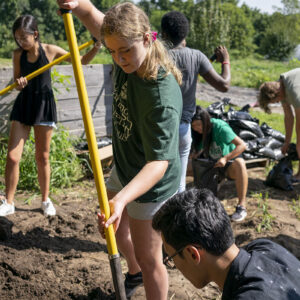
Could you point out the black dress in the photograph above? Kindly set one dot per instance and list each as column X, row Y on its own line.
column 35, row 103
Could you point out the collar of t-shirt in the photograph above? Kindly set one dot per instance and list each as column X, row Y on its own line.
column 236, row 269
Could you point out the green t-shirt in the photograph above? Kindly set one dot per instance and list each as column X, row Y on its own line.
column 291, row 82
column 221, row 143
column 146, row 117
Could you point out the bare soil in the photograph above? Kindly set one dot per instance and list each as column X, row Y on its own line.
column 63, row 257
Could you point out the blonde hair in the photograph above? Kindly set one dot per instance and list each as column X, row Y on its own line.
column 131, row 23
column 267, row 92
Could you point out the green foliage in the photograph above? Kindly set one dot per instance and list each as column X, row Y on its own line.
column 266, row 219
column 65, row 165
column 277, row 45
column 241, row 31
column 61, row 79
column 208, row 26
column 295, row 206
column 253, row 70
column 155, row 19
column 281, row 36
column 103, row 57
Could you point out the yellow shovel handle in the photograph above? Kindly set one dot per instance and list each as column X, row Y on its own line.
column 89, row 129
column 44, row 68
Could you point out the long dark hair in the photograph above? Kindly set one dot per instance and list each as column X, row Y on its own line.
column 206, row 136
column 28, row 23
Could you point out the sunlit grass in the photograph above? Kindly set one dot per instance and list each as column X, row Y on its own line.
column 254, row 70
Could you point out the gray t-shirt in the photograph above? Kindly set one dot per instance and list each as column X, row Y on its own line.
column 291, row 82
column 191, row 62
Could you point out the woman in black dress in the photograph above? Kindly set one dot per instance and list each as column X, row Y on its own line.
column 34, row 107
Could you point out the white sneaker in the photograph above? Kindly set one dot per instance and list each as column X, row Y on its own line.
column 240, row 214
column 6, row 209
column 48, row 208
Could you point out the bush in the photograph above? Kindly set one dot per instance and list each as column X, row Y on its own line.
column 66, row 168
column 277, row 45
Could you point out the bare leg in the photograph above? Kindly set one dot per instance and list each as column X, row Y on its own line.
column 297, row 175
column 42, row 149
column 124, row 242
column 17, row 138
column 238, row 172
column 148, row 252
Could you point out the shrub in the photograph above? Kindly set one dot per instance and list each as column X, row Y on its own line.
column 65, row 165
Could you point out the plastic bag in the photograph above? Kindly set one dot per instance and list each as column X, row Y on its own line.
column 252, row 146
column 292, row 152
column 274, row 144
column 247, row 135
column 217, row 109
column 247, row 155
column 248, row 125
column 205, row 175
column 264, row 140
column 267, row 152
column 281, row 176
column 268, row 131
column 239, row 115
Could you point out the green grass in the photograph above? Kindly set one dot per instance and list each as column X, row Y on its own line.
column 245, row 72
column 254, row 70
column 295, row 206
column 263, row 210
column 103, row 57
column 5, row 62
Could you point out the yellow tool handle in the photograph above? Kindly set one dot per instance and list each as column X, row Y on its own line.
column 45, row 68
column 89, row 129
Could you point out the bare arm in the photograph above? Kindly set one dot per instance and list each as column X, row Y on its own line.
column 288, row 124
column 21, row 81
column 297, row 112
column 54, row 52
column 16, row 63
column 148, row 176
column 220, row 82
column 88, row 14
column 240, row 147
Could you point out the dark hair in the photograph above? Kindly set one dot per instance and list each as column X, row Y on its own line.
column 195, row 217
column 26, row 22
column 174, row 27
column 267, row 92
column 206, row 136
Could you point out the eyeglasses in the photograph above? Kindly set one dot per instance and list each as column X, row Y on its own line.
column 168, row 260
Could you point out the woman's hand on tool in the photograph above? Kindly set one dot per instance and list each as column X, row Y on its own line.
column 67, row 4
column 116, row 210
column 21, row 83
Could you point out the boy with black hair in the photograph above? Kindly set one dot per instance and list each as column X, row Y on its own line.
column 197, row 236
column 191, row 62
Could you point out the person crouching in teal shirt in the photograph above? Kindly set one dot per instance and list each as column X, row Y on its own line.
column 215, row 139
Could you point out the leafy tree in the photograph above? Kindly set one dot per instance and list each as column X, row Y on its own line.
column 281, row 36
column 241, row 30
column 208, row 26
column 290, row 7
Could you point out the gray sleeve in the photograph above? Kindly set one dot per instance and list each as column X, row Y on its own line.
column 204, row 65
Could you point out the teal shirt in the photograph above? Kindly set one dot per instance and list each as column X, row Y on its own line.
column 291, row 82
column 146, row 117
column 222, row 137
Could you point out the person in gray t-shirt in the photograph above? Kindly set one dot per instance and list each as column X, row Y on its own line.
column 191, row 62
column 287, row 91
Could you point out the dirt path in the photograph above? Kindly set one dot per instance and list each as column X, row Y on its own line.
column 65, row 258
column 239, row 96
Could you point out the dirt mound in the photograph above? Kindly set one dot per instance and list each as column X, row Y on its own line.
column 64, row 257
